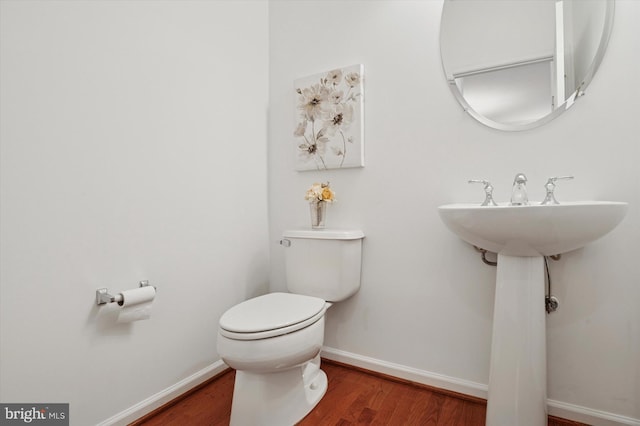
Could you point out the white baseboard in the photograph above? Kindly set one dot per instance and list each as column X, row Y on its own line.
column 555, row 408
column 588, row 415
column 159, row 399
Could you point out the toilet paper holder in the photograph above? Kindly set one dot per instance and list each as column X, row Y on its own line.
column 103, row 297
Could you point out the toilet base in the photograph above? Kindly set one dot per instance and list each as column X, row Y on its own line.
column 279, row 398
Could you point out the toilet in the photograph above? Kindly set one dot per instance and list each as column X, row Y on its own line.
column 274, row 341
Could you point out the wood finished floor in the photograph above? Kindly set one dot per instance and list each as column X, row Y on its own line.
column 354, row 397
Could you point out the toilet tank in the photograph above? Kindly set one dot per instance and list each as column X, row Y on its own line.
column 323, row 263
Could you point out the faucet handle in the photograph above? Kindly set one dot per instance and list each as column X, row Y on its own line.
column 488, row 191
column 550, row 198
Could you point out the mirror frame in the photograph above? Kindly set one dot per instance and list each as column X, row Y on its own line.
column 597, row 60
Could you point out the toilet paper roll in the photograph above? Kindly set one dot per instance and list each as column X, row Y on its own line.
column 136, row 304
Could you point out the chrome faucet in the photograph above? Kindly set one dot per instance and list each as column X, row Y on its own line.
column 519, row 192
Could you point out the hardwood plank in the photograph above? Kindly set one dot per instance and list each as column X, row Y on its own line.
column 366, row 416
column 452, row 412
column 354, row 411
column 383, row 405
column 401, row 399
column 425, row 410
column 474, row 413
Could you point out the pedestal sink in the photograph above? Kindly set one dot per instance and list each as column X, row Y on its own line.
column 522, row 236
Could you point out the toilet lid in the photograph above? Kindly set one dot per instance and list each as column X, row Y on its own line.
column 271, row 312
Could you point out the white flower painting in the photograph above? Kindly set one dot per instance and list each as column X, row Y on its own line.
column 329, row 120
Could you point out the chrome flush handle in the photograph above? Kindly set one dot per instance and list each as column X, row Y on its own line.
column 285, row 242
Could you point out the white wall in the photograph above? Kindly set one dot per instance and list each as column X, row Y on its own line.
column 426, row 300
column 133, row 147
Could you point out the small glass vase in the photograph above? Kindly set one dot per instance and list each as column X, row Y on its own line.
column 318, row 212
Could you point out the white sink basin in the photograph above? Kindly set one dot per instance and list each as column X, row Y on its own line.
column 533, row 230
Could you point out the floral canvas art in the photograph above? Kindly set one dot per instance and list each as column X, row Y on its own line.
column 329, row 120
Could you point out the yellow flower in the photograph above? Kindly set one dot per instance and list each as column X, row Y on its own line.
column 327, row 194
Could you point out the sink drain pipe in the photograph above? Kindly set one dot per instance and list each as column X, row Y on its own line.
column 484, row 256
column 550, row 302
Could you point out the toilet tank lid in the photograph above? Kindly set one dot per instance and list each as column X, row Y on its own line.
column 325, row 234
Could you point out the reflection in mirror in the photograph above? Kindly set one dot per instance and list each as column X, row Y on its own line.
column 514, row 65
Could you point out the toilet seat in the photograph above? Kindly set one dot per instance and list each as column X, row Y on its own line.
column 271, row 315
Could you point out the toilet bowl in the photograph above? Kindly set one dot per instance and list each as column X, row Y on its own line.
column 274, row 341
column 277, row 359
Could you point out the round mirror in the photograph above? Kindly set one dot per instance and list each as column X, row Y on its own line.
column 514, row 65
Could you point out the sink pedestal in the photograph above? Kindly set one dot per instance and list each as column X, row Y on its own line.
column 518, row 369
column 522, row 235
